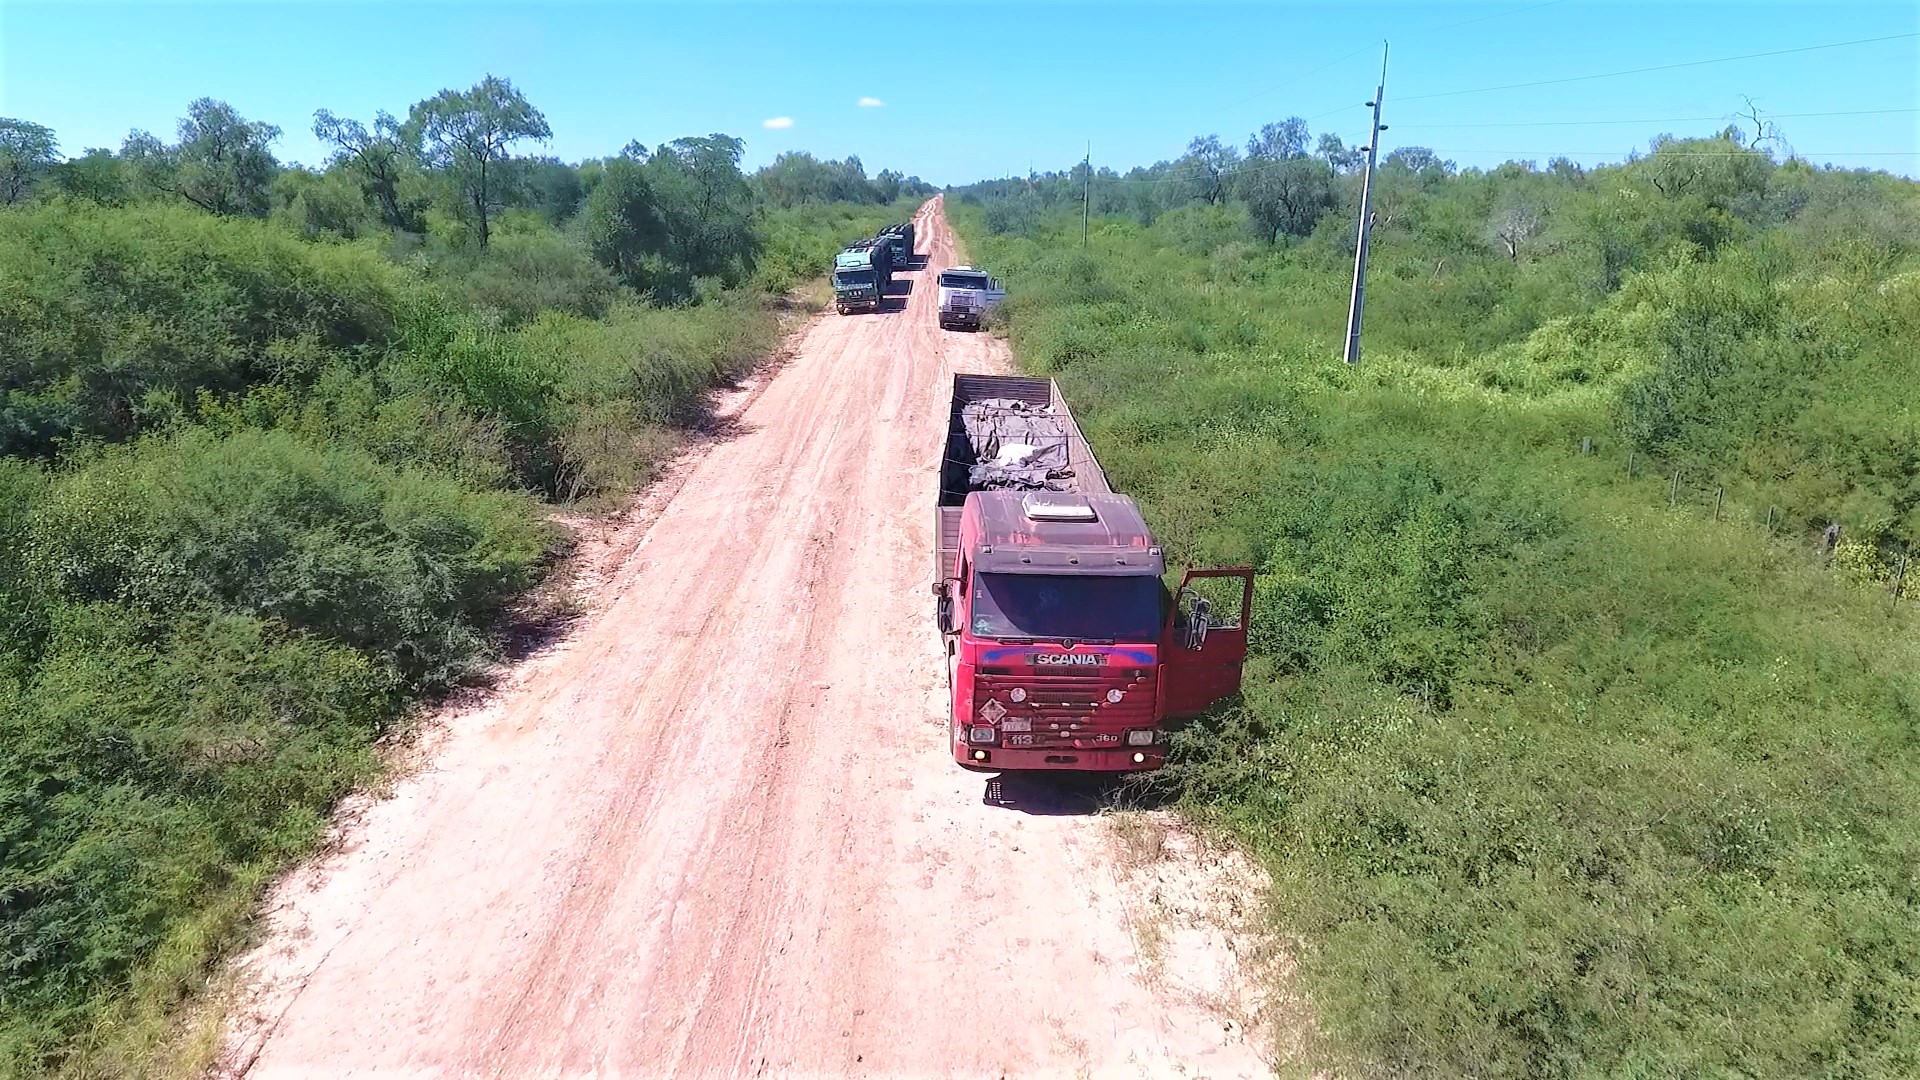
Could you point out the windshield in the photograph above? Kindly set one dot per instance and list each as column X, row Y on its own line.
column 1049, row 606
column 962, row 281
column 853, row 277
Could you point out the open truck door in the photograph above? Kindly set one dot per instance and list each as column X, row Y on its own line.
column 1205, row 643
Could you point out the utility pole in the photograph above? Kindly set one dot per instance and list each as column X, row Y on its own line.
column 1086, row 199
column 1359, row 300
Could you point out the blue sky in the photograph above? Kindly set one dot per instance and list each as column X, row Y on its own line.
column 974, row 88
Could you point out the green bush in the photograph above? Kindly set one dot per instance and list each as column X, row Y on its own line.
column 398, row 564
column 1551, row 780
column 526, row 270
column 152, row 768
column 109, row 314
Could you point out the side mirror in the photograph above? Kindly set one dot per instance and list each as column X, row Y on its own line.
column 943, row 607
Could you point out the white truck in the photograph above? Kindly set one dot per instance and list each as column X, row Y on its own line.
column 966, row 294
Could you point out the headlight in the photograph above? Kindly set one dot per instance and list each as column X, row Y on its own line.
column 1017, row 695
column 1114, row 696
column 980, row 734
column 1140, row 738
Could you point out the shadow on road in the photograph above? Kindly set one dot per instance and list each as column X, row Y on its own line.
column 899, row 288
column 1057, row 794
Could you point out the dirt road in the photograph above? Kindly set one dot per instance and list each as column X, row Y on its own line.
column 715, row 831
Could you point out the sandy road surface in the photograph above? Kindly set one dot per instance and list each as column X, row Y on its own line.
column 715, row 832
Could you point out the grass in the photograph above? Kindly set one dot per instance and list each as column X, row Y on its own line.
column 1551, row 779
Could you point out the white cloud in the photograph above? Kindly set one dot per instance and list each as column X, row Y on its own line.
column 870, row 103
column 778, row 123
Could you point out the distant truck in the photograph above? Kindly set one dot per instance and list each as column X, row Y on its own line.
column 862, row 275
column 901, row 238
column 966, row 295
column 1065, row 649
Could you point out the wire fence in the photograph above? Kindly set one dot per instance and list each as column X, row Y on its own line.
column 1835, row 543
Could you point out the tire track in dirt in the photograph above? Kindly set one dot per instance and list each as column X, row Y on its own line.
column 715, row 831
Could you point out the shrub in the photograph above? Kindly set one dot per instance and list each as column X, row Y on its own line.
column 526, row 271
column 101, row 309
column 153, row 769
column 398, row 564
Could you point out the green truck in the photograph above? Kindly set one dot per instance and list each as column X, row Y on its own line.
column 862, row 275
column 901, row 239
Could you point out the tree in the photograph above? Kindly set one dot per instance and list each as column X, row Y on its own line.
column 1287, row 197
column 886, row 186
column 96, row 176
column 28, row 152
column 797, row 177
column 621, row 220
column 1720, row 172
column 381, row 158
column 321, row 204
column 150, row 165
column 1277, row 142
column 1333, row 150
column 1419, row 160
column 468, row 135
column 550, row 187
column 705, row 205
column 1516, row 219
column 1210, row 164
column 223, row 164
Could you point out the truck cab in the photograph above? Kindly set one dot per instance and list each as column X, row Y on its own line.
column 967, row 294
column 861, row 274
column 1065, row 648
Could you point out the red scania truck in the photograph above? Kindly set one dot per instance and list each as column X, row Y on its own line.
column 1065, row 649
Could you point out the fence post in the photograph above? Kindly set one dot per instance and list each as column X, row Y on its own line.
column 1630, row 456
column 1673, row 495
column 1718, row 494
column 1586, row 445
column 1770, row 511
column 1899, row 579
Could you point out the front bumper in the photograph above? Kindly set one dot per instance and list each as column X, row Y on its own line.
column 965, row 317
column 1062, row 759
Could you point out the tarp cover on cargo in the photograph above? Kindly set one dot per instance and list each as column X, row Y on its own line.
column 1016, row 445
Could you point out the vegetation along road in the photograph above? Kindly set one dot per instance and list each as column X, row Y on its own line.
column 715, row 831
column 464, row 611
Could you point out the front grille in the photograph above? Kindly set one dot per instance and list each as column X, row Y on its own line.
column 1071, row 710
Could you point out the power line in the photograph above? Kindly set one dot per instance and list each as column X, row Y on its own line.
column 1298, row 79
column 1649, row 120
column 1658, row 67
column 1332, row 112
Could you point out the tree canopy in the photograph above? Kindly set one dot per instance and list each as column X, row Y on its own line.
column 467, row 134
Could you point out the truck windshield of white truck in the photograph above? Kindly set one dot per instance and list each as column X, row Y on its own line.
column 1054, row 606
column 963, row 281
